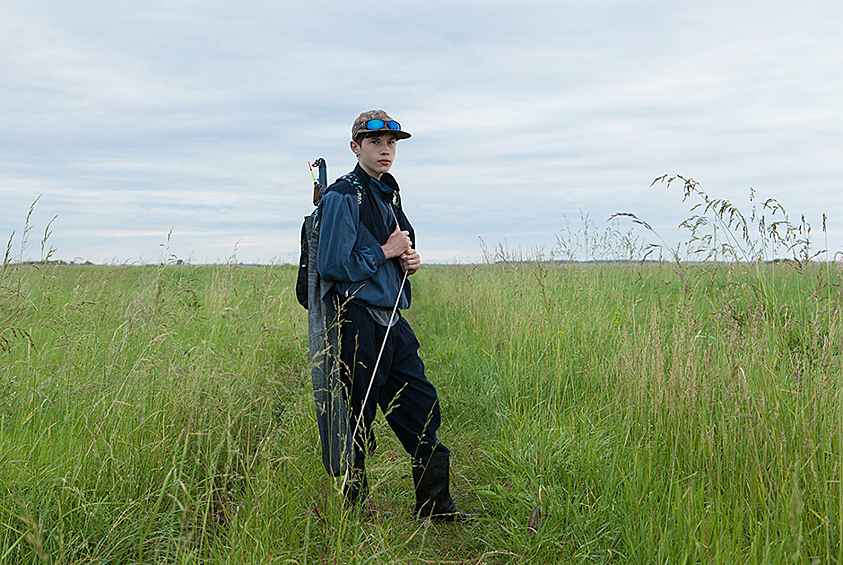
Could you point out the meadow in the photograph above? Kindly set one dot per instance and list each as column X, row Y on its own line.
column 597, row 412
column 629, row 413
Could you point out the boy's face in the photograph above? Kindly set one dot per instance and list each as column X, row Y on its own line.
column 376, row 153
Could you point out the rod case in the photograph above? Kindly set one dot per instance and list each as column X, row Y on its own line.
column 323, row 331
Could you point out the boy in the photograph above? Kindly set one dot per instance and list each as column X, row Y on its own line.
column 366, row 249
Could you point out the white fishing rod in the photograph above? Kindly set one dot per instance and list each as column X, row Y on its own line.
column 383, row 345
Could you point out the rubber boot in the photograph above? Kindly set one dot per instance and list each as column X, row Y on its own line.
column 356, row 487
column 431, row 477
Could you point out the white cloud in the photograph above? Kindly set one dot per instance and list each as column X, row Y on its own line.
column 131, row 120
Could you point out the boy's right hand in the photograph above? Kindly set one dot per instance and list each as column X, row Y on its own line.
column 397, row 244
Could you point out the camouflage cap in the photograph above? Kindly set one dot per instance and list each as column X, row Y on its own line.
column 389, row 125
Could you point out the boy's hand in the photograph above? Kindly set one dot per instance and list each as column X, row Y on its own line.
column 410, row 261
column 397, row 244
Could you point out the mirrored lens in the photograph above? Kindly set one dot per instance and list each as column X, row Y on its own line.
column 374, row 124
column 394, row 125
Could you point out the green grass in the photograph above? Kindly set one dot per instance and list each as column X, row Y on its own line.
column 625, row 413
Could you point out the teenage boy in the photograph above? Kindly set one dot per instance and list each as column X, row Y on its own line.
column 366, row 248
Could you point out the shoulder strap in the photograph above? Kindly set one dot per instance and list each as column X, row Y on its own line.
column 352, row 179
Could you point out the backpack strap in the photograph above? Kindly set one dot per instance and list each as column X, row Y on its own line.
column 352, row 179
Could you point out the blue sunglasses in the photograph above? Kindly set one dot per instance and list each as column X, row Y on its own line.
column 375, row 125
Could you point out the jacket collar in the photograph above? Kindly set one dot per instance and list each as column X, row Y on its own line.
column 365, row 179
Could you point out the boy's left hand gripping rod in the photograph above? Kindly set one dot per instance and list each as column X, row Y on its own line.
column 322, row 183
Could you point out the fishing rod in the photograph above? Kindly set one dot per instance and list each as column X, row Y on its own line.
column 383, row 345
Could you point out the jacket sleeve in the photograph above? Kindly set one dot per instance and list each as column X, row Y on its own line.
column 347, row 250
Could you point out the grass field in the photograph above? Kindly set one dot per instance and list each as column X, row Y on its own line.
column 624, row 413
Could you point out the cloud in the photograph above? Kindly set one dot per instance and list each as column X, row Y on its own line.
column 130, row 120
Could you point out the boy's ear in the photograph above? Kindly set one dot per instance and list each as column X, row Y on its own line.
column 355, row 147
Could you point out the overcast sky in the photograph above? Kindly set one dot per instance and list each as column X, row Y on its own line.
column 131, row 119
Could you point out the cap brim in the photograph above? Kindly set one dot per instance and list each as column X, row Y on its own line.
column 399, row 134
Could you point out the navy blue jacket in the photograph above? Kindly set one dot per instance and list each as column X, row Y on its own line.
column 350, row 239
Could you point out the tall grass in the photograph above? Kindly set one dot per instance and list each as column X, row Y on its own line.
column 658, row 414
column 135, row 403
column 626, row 412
